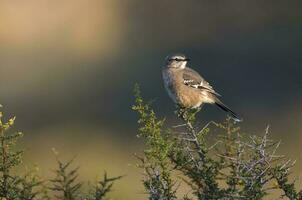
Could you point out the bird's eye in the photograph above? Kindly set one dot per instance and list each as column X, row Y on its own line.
column 176, row 59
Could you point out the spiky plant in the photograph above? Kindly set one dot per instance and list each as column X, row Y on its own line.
column 14, row 186
column 65, row 182
column 103, row 187
column 30, row 186
column 230, row 165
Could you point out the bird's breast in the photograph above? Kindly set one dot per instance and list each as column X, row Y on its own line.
column 170, row 84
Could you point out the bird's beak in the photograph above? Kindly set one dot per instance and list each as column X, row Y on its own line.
column 187, row 59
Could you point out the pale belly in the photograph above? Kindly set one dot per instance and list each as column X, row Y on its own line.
column 168, row 83
column 184, row 95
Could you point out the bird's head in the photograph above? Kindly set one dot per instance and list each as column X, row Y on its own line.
column 178, row 61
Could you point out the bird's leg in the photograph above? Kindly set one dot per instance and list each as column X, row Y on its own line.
column 180, row 111
column 187, row 114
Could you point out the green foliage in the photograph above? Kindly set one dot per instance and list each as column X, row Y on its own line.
column 14, row 186
column 67, row 187
column 228, row 165
column 103, row 187
column 65, row 181
column 30, row 186
column 156, row 164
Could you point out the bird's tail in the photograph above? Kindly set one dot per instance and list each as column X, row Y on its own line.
column 227, row 109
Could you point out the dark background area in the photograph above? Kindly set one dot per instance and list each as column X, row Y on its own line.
column 67, row 70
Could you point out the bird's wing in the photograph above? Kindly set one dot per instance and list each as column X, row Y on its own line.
column 192, row 79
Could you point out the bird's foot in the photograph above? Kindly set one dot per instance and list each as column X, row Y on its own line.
column 187, row 114
column 181, row 112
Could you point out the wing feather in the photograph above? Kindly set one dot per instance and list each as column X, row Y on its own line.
column 192, row 79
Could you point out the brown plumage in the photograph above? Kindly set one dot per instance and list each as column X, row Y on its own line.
column 187, row 88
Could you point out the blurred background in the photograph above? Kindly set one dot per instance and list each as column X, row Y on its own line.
column 67, row 70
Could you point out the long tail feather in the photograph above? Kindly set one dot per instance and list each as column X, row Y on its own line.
column 227, row 109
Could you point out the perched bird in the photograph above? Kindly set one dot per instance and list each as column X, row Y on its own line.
column 187, row 88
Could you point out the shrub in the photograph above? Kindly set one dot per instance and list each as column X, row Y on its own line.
column 30, row 186
column 228, row 165
column 231, row 165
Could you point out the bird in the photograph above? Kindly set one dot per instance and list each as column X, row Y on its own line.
column 187, row 88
